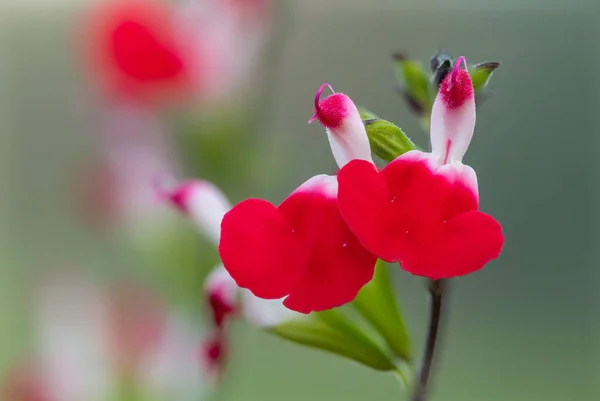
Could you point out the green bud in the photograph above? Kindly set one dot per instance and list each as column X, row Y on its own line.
column 481, row 74
column 415, row 83
column 377, row 303
column 386, row 139
column 333, row 332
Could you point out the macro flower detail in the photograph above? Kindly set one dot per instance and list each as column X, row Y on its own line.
column 302, row 249
column 422, row 209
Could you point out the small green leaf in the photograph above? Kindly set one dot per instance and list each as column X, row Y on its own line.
column 386, row 139
column 415, row 81
column 333, row 332
column 378, row 304
column 481, row 74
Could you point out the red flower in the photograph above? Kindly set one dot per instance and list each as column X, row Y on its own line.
column 302, row 249
column 133, row 45
column 422, row 209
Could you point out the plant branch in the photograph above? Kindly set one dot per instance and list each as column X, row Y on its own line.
column 436, row 289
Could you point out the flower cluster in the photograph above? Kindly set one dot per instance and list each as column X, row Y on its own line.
column 318, row 248
column 91, row 339
column 205, row 205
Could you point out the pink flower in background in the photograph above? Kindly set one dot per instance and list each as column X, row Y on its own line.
column 117, row 188
column 156, row 50
column 25, row 383
column 90, row 337
column 134, row 49
column 422, row 209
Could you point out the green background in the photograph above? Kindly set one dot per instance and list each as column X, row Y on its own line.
column 525, row 328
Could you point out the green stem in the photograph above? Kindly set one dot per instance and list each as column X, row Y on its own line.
column 436, row 289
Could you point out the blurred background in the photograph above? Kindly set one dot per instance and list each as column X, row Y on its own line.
column 527, row 327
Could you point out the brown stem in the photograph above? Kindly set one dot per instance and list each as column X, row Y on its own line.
column 436, row 289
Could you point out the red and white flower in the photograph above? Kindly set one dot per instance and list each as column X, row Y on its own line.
column 155, row 50
column 117, row 190
column 89, row 338
column 422, row 209
column 302, row 250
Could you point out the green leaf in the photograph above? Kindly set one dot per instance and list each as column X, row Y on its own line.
column 377, row 303
column 330, row 331
column 386, row 139
column 481, row 74
column 415, row 81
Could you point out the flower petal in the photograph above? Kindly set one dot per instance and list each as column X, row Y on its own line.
column 203, row 202
column 423, row 217
column 302, row 249
column 462, row 246
column 379, row 207
column 132, row 45
column 453, row 116
column 345, row 130
column 259, row 250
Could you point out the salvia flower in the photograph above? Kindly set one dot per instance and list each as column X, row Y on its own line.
column 134, row 47
column 203, row 203
column 89, row 338
column 422, row 209
column 227, row 301
column 156, row 50
column 302, row 249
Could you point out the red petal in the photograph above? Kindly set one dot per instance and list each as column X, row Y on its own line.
column 258, row 249
column 412, row 214
column 381, row 207
column 302, row 250
column 338, row 265
column 461, row 246
column 133, row 47
column 364, row 203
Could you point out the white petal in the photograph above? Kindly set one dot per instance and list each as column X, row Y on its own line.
column 458, row 172
column 173, row 371
column 349, row 141
column 71, row 319
column 453, row 116
column 323, row 184
column 265, row 313
column 345, row 130
column 206, row 206
column 451, row 130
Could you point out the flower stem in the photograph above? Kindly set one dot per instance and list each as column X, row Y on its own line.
column 436, row 289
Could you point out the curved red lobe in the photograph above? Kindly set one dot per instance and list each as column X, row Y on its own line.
column 302, row 250
column 134, row 46
column 409, row 213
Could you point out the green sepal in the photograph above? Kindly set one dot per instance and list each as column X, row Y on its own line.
column 333, row 332
column 387, row 140
column 415, row 81
column 377, row 303
column 481, row 74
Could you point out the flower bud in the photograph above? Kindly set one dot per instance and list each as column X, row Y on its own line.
column 202, row 202
column 345, row 130
column 453, row 116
